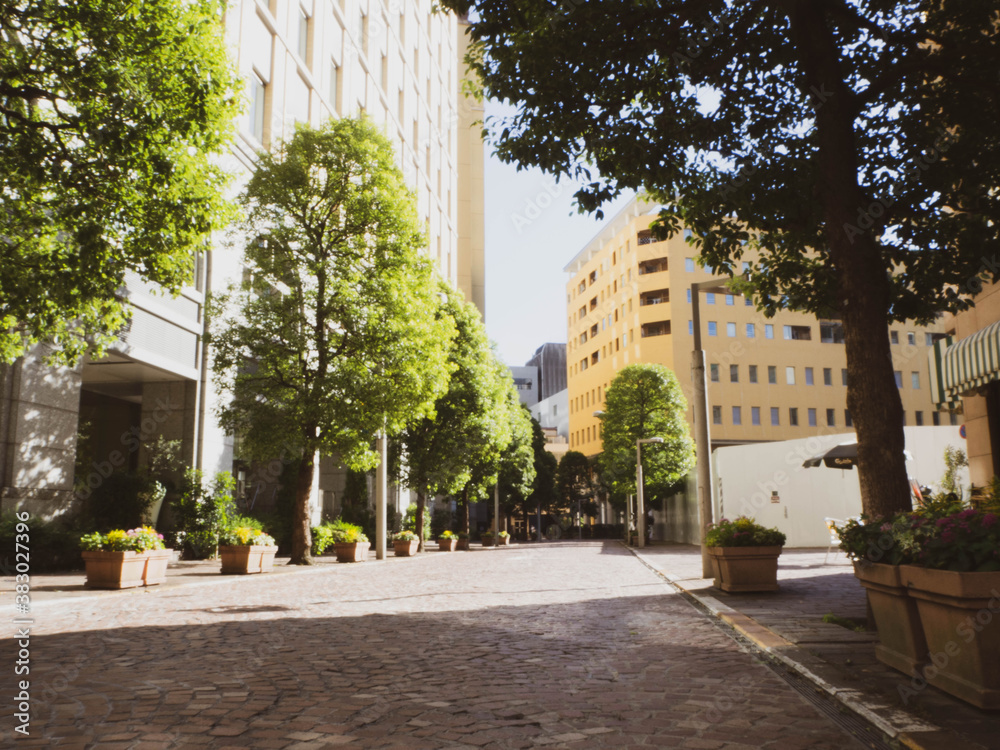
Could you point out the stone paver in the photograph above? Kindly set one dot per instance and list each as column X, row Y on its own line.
column 573, row 645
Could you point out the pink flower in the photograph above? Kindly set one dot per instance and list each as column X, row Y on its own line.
column 989, row 520
column 943, row 522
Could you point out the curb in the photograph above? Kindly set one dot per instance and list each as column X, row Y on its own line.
column 898, row 725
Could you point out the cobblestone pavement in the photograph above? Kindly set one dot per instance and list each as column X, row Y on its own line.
column 574, row 645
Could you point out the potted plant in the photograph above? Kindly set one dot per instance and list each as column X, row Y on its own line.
column 503, row 538
column 877, row 549
column 463, row 541
column 405, row 543
column 349, row 542
column 244, row 550
column 744, row 555
column 486, row 538
column 124, row 559
column 447, row 541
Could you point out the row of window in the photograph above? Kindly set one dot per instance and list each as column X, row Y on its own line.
column 812, row 417
column 809, row 374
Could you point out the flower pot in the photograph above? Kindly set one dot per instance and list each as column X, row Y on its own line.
column 745, row 568
column 156, row 566
column 901, row 644
column 247, row 558
column 960, row 615
column 487, row 541
column 447, row 545
column 463, row 544
column 348, row 552
column 504, row 540
column 406, row 549
column 114, row 570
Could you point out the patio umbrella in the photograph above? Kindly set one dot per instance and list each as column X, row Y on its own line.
column 843, row 456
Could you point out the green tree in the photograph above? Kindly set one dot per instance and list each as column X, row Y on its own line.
column 852, row 145
column 334, row 336
column 112, row 115
column 543, row 490
column 575, row 482
column 442, row 448
column 645, row 401
column 517, row 464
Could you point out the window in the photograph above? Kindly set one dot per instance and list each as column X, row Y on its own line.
column 919, row 417
column 716, row 415
column 755, row 415
column 915, row 380
column 893, row 337
column 753, row 373
column 797, row 333
column 654, row 265
column 734, row 373
column 831, row 332
column 831, row 419
column 827, row 376
column 936, row 418
column 659, row 328
column 690, row 328
column 303, row 40
column 809, row 376
column 731, row 330
column 772, row 374
column 793, row 416
column 583, row 337
column 952, row 418
column 257, row 94
column 751, row 331
column 768, row 331
column 710, row 298
column 713, row 328
column 931, row 338
column 748, row 302
column 811, row 415
column 583, row 364
column 899, row 378
column 689, row 266
column 848, row 422
column 730, row 299
column 843, row 377
column 333, row 92
column 714, row 373
column 688, row 293
column 737, row 415
column 363, row 32
column 775, row 416
column 790, row 375
column 911, row 338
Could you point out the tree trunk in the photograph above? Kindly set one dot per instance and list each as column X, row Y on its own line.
column 463, row 511
column 419, row 518
column 301, row 528
column 862, row 284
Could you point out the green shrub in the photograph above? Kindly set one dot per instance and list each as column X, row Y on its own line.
column 335, row 532
column 54, row 545
column 743, row 532
column 122, row 500
column 201, row 511
column 410, row 520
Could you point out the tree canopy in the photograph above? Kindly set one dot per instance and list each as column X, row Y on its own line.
column 849, row 144
column 334, row 335
column 574, row 481
column 112, row 115
column 645, row 401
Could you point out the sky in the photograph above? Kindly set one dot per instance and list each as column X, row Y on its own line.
column 532, row 231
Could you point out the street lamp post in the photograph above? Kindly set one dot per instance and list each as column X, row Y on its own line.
column 640, row 508
column 381, row 492
column 702, row 440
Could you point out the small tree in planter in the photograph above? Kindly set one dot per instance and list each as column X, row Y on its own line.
column 744, row 555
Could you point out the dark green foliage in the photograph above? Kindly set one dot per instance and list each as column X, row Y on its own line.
column 574, row 482
column 201, row 510
column 120, row 501
column 112, row 115
column 54, row 545
column 442, row 520
column 743, row 532
column 410, row 521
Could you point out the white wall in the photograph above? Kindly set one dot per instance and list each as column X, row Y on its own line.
column 746, row 476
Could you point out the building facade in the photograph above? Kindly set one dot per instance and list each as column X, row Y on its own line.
column 302, row 61
column 550, row 359
column 629, row 301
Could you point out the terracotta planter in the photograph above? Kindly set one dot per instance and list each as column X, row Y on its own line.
column 504, row 540
column 348, row 552
column 960, row 614
column 901, row 644
column 156, row 566
column 463, row 544
column 248, row 558
column 114, row 570
column 487, row 541
column 406, row 549
column 745, row 568
column 447, row 545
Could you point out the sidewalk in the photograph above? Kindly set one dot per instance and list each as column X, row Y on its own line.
column 788, row 625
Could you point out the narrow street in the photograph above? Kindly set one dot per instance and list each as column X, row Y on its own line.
column 567, row 644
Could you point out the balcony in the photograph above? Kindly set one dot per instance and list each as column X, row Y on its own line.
column 653, row 265
column 654, row 297
column 659, row 328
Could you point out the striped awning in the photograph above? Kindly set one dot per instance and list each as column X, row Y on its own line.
column 960, row 367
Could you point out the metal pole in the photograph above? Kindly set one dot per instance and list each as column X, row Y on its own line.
column 640, row 511
column 496, row 514
column 381, row 487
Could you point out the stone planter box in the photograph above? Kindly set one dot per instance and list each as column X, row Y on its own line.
column 245, row 559
column 901, row 644
column 739, row 569
column 487, row 541
column 406, row 549
column 156, row 566
column 504, row 540
column 114, row 570
column 447, row 545
column 348, row 552
column 960, row 615
column 463, row 544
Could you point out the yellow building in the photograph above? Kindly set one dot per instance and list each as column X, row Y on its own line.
column 628, row 301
